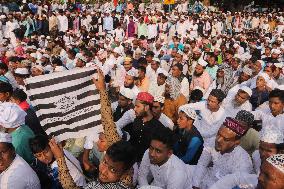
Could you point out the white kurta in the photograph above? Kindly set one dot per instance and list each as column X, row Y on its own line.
column 62, row 23
column 207, row 123
column 237, row 161
column 170, row 175
column 19, row 175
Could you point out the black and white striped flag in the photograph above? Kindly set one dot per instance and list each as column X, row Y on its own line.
column 66, row 103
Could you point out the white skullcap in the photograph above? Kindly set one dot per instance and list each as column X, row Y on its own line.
column 39, row 67
column 59, row 69
column 202, row 62
column 188, row 111
column 247, row 70
column 156, row 60
column 277, row 161
column 265, row 76
column 46, row 56
column 33, row 55
column 246, row 89
column 132, row 73
column 162, row 71
column 279, row 65
column 5, row 137
column 11, row 115
column 160, row 99
column 22, row 71
column 116, row 50
column 128, row 93
column 275, row 51
column 272, row 136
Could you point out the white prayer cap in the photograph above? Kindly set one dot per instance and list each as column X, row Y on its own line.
column 246, row 89
column 156, row 60
column 59, row 69
column 247, row 70
column 265, row 76
column 22, row 71
column 275, row 51
column 279, row 39
column 116, row 50
column 162, row 71
column 132, row 73
column 5, row 138
column 278, row 65
column 33, row 55
column 236, row 45
column 46, row 56
column 160, row 99
column 128, row 93
column 277, row 161
column 3, row 16
column 272, row 136
column 81, row 57
column 180, row 52
column 39, row 67
column 261, row 62
column 11, row 115
column 188, row 111
column 47, row 37
column 202, row 62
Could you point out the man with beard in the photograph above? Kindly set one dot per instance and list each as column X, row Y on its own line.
column 166, row 169
column 225, row 154
column 278, row 73
column 144, row 124
column 129, row 82
column 195, row 57
column 243, row 77
column 200, row 78
column 240, row 101
column 173, row 98
column 224, row 80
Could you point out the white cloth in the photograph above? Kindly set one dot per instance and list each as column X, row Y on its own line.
column 207, row 122
column 232, row 110
column 19, row 175
column 256, row 161
column 155, row 89
column 223, row 164
column 75, row 170
column 62, row 23
column 170, row 175
column 243, row 180
column 11, row 115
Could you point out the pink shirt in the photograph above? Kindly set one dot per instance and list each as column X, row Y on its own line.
column 202, row 81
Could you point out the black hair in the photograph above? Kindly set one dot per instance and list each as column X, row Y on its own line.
column 6, row 88
column 280, row 147
column 179, row 66
column 57, row 62
column 20, row 95
column 196, row 95
column 277, row 93
column 150, row 53
column 3, row 67
column 142, row 68
column 122, row 151
column 164, row 135
column 219, row 94
column 38, row 143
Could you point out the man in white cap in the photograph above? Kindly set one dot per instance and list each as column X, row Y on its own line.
column 278, row 73
column 240, row 101
column 271, row 142
column 157, row 87
column 124, row 103
column 129, row 82
column 200, row 78
column 12, row 118
column 14, row 171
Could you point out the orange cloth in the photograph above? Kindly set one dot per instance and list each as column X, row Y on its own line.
column 171, row 107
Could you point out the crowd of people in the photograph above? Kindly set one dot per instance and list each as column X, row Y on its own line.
column 188, row 100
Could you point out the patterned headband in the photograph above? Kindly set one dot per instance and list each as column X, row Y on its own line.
column 235, row 126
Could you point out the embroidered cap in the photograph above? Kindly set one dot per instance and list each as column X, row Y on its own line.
column 277, row 161
column 235, row 126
